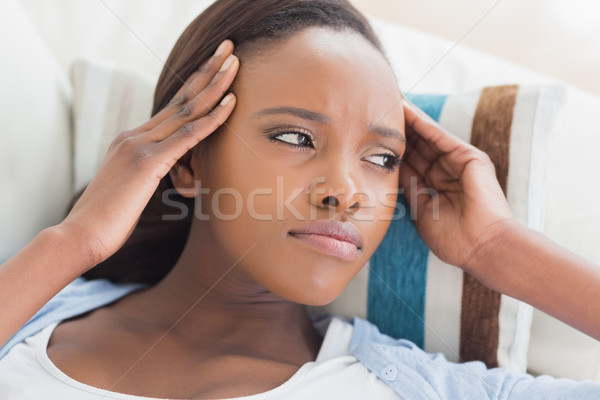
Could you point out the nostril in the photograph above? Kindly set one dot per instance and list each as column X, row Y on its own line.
column 330, row 200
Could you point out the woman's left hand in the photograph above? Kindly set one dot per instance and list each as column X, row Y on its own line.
column 451, row 187
column 477, row 232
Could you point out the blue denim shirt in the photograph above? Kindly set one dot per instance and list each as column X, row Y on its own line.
column 408, row 370
column 415, row 374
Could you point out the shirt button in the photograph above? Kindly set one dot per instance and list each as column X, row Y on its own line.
column 389, row 373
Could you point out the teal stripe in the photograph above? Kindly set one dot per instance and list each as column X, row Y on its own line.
column 432, row 104
column 398, row 275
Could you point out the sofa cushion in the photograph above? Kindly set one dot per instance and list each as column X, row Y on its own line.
column 35, row 144
column 107, row 100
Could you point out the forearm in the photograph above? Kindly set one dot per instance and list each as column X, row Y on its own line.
column 526, row 265
column 33, row 276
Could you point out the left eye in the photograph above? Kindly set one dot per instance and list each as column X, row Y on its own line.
column 387, row 161
column 295, row 139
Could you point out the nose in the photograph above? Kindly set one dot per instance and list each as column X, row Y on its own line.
column 340, row 195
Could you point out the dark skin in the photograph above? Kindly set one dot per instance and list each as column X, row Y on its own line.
column 252, row 293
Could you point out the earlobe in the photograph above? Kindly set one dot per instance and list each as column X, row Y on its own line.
column 183, row 177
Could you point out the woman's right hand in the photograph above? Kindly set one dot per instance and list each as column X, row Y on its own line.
column 110, row 207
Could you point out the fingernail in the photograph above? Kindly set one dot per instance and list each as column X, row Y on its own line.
column 227, row 63
column 221, row 49
column 227, row 99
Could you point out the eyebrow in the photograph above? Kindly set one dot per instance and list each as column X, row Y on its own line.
column 387, row 132
column 298, row 112
column 324, row 119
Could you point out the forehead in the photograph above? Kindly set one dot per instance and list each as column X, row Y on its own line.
column 338, row 73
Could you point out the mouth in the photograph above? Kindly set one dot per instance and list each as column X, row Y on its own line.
column 332, row 238
column 329, row 245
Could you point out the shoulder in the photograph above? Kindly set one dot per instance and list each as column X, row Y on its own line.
column 76, row 341
column 78, row 298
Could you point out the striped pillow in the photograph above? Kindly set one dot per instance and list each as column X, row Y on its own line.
column 414, row 295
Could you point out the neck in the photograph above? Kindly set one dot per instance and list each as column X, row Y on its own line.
column 204, row 298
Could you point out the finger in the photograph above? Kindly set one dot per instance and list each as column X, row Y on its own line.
column 191, row 133
column 423, row 167
column 200, row 105
column 416, row 160
column 452, row 162
column 456, row 162
column 441, row 140
column 419, row 144
column 195, row 83
column 441, row 179
column 412, row 183
column 406, row 172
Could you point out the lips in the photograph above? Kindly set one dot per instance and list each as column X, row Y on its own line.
column 334, row 238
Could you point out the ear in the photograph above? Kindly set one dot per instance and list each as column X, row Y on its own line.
column 183, row 176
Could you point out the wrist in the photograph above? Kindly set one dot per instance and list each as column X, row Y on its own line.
column 75, row 245
column 491, row 247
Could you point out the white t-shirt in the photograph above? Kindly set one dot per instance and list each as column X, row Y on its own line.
column 27, row 373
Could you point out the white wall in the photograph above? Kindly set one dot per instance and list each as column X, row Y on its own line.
column 556, row 37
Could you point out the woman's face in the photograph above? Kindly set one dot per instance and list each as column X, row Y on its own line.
column 318, row 114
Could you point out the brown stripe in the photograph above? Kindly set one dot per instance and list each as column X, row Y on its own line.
column 479, row 323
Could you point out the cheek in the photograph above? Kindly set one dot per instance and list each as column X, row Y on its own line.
column 387, row 203
column 384, row 211
column 240, row 202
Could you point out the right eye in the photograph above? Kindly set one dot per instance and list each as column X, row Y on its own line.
column 296, row 139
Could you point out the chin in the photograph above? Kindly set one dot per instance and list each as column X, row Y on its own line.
column 313, row 293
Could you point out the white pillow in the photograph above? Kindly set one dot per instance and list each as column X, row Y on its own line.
column 35, row 144
column 573, row 220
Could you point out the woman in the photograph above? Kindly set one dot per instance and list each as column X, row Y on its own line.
column 208, row 199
